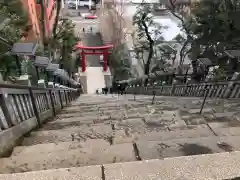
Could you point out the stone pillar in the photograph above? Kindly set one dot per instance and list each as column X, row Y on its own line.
column 50, row 84
column 83, row 61
column 41, row 83
column 108, row 78
column 105, row 58
column 83, row 80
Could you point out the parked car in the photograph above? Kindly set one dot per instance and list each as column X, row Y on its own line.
column 72, row 6
column 90, row 17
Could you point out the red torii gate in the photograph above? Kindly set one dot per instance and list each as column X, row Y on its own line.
column 103, row 51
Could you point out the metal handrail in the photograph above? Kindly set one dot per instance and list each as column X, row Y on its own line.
column 18, row 86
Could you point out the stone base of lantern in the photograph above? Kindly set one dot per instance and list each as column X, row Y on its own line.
column 24, row 80
column 41, row 83
column 50, row 85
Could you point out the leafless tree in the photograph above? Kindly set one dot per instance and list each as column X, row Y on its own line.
column 172, row 6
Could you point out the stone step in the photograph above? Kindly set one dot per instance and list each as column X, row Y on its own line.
column 123, row 114
column 127, row 107
column 93, row 102
column 223, row 131
column 81, row 119
column 187, row 147
column 60, row 146
column 193, row 111
column 154, row 113
column 96, row 107
column 68, row 158
column 134, row 134
column 172, row 120
column 224, row 166
column 80, row 133
column 75, row 122
column 73, row 173
column 205, row 166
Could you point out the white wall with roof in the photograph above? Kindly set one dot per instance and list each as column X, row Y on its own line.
column 166, row 20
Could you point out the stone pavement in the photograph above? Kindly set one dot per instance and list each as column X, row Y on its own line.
column 103, row 129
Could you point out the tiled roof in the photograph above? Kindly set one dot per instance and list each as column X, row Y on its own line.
column 177, row 1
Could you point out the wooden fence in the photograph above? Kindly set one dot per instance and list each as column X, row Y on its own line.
column 23, row 108
column 226, row 89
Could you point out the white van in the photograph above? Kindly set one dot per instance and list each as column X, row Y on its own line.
column 86, row 3
column 81, row 3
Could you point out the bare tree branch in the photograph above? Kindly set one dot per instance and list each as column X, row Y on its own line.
column 189, row 38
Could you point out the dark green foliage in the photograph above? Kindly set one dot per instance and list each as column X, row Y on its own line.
column 65, row 40
column 15, row 7
column 8, row 66
column 211, row 28
column 216, row 28
column 119, row 62
column 12, row 32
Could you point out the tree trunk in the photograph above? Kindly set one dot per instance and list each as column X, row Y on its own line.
column 57, row 18
column 65, row 52
column 151, row 50
column 59, row 2
column 148, row 63
column 42, row 3
column 187, row 31
column 182, row 53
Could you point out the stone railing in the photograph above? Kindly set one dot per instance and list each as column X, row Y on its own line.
column 24, row 108
column 226, row 89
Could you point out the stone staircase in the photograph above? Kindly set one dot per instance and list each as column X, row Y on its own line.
column 105, row 132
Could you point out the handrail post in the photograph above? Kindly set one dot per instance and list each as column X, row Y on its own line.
column 34, row 106
column 65, row 97
column 67, row 93
column 60, row 98
column 204, row 100
column 153, row 99
column 161, row 90
column 172, row 89
column 7, row 112
column 70, row 95
column 52, row 102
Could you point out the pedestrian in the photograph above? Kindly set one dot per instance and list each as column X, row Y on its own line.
column 105, row 90
column 83, row 30
column 91, row 29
